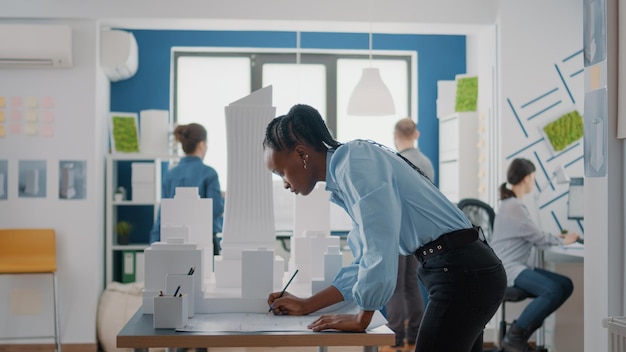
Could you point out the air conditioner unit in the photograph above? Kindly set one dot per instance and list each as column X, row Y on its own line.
column 35, row 46
column 119, row 57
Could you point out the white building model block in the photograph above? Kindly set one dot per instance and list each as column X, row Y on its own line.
column 249, row 213
column 188, row 209
column 311, row 236
column 255, row 281
column 333, row 260
column 163, row 259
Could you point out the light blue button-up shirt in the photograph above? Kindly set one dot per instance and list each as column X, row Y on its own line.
column 394, row 210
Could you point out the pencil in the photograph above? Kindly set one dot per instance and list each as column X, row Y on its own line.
column 177, row 289
column 285, row 289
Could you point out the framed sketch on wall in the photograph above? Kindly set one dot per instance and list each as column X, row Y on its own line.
column 123, row 132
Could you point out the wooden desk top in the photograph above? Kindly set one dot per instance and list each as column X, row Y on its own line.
column 139, row 333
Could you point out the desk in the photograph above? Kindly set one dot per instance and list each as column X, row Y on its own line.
column 140, row 335
column 565, row 328
column 568, row 253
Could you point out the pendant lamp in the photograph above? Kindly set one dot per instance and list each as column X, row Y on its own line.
column 371, row 97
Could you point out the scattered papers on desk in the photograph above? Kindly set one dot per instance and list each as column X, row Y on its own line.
column 261, row 322
column 574, row 245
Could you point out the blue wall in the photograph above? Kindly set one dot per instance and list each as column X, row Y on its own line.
column 440, row 57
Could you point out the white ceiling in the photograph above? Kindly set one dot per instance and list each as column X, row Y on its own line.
column 402, row 16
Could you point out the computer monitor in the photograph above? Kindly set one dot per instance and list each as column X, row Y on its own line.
column 576, row 202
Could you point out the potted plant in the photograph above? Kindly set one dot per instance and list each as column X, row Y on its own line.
column 123, row 228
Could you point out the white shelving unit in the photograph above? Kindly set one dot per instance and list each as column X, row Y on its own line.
column 113, row 180
column 458, row 155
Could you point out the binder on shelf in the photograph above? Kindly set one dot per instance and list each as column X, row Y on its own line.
column 140, row 260
column 128, row 266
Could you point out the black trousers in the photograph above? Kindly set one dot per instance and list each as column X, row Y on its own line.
column 465, row 287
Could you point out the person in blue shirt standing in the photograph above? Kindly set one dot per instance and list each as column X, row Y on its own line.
column 395, row 210
column 192, row 172
column 406, row 306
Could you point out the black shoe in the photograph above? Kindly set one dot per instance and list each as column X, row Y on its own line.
column 516, row 340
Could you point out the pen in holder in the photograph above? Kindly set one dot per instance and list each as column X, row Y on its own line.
column 170, row 312
column 186, row 284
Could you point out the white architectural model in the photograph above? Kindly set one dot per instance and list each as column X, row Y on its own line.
column 249, row 213
column 248, row 269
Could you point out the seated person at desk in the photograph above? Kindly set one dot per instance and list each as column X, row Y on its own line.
column 514, row 235
column 395, row 210
column 192, row 172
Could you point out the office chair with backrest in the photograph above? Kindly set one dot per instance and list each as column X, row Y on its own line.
column 482, row 214
column 31, row 251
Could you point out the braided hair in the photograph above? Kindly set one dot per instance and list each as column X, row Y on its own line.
column 302, row 124
column 518, row 169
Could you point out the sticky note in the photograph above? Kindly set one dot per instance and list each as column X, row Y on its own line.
column 16, row 115
column 2, row 118
column 3, row 131
column 47, row 102
column 594, row 75
column 3, row 102
column 31, row 102
column 16, row 102
column 47, row 116
column 30, row 115
column 30, row 129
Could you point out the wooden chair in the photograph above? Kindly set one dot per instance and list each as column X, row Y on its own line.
column 31, row 251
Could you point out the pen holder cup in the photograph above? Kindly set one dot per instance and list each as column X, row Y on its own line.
column 170, row 312
column 172, row 281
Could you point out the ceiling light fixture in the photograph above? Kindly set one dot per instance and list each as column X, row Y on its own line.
column 371, row 97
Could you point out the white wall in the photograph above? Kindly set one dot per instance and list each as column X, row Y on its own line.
column 533, row 60
column 79, row 134
column 532, row 43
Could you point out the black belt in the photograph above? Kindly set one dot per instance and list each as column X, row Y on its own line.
column 454, row 239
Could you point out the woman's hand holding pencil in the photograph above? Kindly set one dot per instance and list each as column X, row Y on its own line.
column 274, row 296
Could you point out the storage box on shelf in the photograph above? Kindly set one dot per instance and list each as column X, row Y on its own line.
column 458, row 155
column 140, row 176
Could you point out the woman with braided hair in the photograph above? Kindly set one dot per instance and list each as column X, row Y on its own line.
column 395, row 210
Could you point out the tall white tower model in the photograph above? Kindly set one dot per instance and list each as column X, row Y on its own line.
column 249, row 211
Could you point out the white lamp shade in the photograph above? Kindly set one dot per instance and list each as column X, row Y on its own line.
column 371, row 97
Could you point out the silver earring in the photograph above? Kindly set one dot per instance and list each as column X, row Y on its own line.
column 304, row 163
